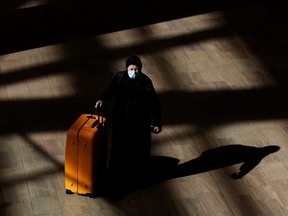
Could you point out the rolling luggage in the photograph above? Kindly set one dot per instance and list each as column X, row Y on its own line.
column 86, row 155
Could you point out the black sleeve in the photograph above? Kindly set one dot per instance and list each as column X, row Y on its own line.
column 155, row 105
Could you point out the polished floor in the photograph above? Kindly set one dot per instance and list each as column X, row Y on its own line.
column 221, row 74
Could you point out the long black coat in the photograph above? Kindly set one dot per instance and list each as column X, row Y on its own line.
column 136, row 108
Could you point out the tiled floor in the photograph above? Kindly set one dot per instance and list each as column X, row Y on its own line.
column 221, row 75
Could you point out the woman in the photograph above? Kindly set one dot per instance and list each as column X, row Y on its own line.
column 136, row 114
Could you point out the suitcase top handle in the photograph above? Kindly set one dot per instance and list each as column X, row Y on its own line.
column 99, row 122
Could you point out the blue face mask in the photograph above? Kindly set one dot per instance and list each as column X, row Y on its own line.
column 132, row 74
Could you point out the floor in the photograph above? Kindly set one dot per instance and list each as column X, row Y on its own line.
column 220, row 69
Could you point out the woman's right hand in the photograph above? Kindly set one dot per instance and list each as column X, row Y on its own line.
column 99, row 104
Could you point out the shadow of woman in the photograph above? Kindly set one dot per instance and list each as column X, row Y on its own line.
column 162, row 168
column 225, row 156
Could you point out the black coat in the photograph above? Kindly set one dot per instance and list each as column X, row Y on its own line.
column 136, row 104
column 136, row 108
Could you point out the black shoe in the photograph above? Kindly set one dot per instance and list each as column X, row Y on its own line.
column 118, row 194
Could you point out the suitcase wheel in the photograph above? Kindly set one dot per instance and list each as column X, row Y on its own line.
column 69, row 192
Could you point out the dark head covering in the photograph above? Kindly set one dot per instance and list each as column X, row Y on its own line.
column 134, row 60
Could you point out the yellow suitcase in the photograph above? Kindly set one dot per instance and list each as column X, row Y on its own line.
column 86, row 155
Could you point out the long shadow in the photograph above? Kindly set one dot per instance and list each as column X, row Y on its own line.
column 58, row 166
column 208, row 108
column 225, row 156
column 264, row 31
column 199, row 108
column 70, row 20
column 32, row 72
column 163, row 168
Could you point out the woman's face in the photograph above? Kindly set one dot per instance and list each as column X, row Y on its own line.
column 133, row 68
